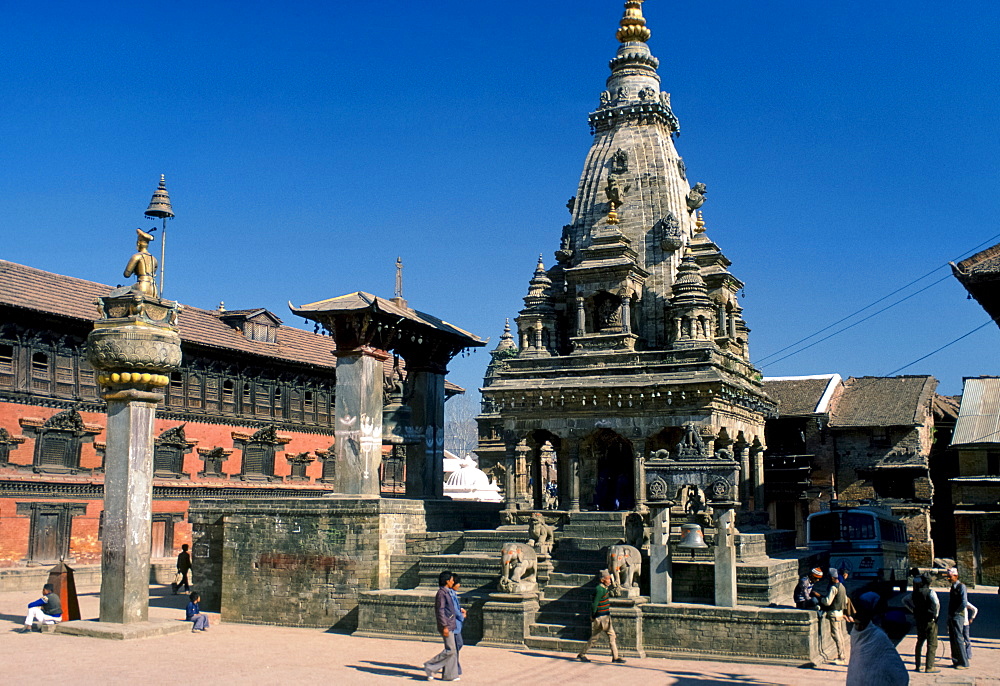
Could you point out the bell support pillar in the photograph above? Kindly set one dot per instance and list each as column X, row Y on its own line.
column 358, row 420
column 661, row 581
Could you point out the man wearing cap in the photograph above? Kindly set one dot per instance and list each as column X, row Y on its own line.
column 804, row 597
column 923, row 603
column 958, row 625
column 834, row 602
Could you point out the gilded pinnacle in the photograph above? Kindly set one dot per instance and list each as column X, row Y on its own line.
column 700, row 223
column 633, row 24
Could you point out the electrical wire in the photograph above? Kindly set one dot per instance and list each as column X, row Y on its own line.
column 965, row 335
column 850, row 326
column 871, row 304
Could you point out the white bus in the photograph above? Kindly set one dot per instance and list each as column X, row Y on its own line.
column 866, row 541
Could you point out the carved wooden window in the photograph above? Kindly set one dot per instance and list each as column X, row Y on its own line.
column 58, row 442
column 169, row 449
column 329, row 465
column 277, row 399
column 194, row 392
column 294, row 404
column 259, row 452
column 41, row 375
column 228, row 398
column 262, row 400
column 161, row 540
column 212, row 393
column 257, row 331
column 51, row 529
column 88, row 380
column 175, row 391
column 247, row 407
column 65, row 375
column 6, row 365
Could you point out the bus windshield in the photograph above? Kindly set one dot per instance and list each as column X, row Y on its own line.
column 857, row 526
column 824, row 527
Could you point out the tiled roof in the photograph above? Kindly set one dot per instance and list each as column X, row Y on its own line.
column 801, row 395
column 979, row 417
column 883, row 401
column 947, row 406
column 33, row 289
column 41, row 291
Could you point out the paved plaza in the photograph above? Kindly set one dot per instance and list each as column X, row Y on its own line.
column 245, row 654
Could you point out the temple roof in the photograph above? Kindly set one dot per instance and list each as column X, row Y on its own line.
column 884, row 401
column 980, row 274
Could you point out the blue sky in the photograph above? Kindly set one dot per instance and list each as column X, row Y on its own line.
column 848, row 149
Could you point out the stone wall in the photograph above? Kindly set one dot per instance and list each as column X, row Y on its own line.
column 31, row 579
column 305, row 561
column 740, row 634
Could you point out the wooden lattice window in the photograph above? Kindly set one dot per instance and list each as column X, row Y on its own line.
column 6, row 365
column 259, row 452
column 194, row 392
column 169, row 449
column 228, row 396
column 212, row 393
column 88, row 380
column 41, row 375
column 65, row 375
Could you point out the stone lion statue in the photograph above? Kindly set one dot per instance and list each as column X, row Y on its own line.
column 635, row 530
column 518, row 564
column 625, row 565
column 540, row 534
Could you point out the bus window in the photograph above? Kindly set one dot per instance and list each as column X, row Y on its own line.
column 857, row 526
column 824, row 527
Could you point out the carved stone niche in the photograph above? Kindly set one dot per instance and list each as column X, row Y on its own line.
column 667, row 231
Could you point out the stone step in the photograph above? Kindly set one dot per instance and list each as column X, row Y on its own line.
column 555, row 592
column 572, row 579
column 572, row 633
column 584, row 565
column 478, row 571
column 491, row 541
column 589, row 543
column 593, row 517
column 564, row 611
column 560, row 645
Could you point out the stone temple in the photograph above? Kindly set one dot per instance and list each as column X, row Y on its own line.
column 632, row 345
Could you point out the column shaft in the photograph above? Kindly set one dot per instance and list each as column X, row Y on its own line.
column 425, row 460
column 358, row 417
column 661, row 582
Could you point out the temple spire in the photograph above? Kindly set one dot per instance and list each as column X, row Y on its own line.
column 632, row 28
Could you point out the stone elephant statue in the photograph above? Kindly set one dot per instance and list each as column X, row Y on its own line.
column 625, row 565
column 518, row 564
column 541, row 535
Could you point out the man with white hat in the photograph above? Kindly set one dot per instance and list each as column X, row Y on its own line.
column 804, row 596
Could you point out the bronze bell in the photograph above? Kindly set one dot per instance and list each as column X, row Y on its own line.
column 396, row 422
column 159, row 205
column 692, row 537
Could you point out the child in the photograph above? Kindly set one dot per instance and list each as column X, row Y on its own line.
column 194, row 614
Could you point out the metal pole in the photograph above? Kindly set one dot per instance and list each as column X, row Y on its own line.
column 163, row 252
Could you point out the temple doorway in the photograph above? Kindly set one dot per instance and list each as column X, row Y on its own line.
column 545, row 467
column 613, row 471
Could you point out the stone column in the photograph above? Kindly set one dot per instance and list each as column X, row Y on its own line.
column 581, row 318
column 425, row 460
column 639, row 475
column 742, row 455
column 523, row 493
column 574, row 476
column 510, row 481
column 757, row 474
column 661, row 581
column 725, row 558
column 358, row 421
column 626, row 315
column 133, row 347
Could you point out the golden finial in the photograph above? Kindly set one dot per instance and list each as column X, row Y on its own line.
column 699, row 223
column 612, row 215
column 633, row 24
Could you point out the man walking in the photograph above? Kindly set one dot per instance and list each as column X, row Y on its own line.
column 923, row 603
column 834, row 603
column 958, row 625
column 446, row 661
column 183, row 569
column 601, row 619
column 460, row 615
column 45, row 610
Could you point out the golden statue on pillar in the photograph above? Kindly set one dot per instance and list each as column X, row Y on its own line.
column 143, row 265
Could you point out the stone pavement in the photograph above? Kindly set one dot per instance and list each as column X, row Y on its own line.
column 245, row 654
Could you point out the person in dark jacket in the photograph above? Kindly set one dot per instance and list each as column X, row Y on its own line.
column 45, row 610
column 923, row 603
column 600, row 615
column 833, row 603
column 958, row 625
column 193, row 614
column 804, row 597
column 183, row 569
column 446, row 661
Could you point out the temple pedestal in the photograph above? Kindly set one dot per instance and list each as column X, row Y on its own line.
column 507, row 618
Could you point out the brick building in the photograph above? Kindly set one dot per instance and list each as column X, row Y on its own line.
column 863, row 439
column 976, row 487
column 249, row 415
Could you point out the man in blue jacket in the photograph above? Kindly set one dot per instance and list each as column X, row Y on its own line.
column 446, row 661
column 45, row 610
column 958, row 624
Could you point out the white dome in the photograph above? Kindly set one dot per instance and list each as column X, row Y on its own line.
column 469, row 482
column 469, row 476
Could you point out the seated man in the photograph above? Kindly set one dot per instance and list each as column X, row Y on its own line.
column 804, row 596
column 45, row 610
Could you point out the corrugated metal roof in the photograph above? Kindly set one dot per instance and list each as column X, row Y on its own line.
column 979, row 414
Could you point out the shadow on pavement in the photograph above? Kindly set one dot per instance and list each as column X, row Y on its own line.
column 682, row 678
column 383, row 671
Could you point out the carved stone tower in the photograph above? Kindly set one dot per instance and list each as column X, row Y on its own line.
column 634, row 337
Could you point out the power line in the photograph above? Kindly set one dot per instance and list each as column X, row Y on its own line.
column 869, row 305
column 965, row 335
column 860, row 321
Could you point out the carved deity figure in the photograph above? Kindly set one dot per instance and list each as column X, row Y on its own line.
column 609, row 313
column 605, row 99
column 691, row 446
column 696, row 196
column 540, row 534
column 143, row 265
column 615, row 191
column 694, row 501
